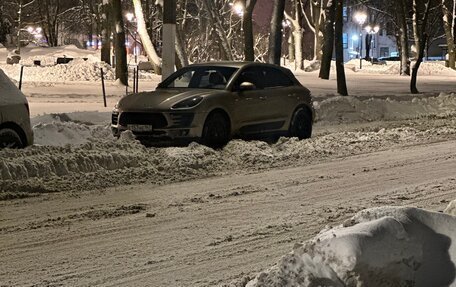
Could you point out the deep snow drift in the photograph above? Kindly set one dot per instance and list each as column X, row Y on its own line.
column 387, row 246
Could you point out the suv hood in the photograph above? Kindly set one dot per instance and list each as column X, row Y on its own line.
column 160, row 99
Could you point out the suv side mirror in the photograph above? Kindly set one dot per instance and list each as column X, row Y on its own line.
column 246, row 86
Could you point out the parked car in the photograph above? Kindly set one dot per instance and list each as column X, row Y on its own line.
column 15, row 128
column 214, row 102
column 392, row 58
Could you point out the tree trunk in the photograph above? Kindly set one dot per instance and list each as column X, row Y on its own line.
column 403, row 34
column 180, row 50
column 249, row 53
column 448, row 25
column 149, row 48
column 275, row 38
column 119, row 43
column 417, row 64
column 328, row 44
column 341, row 82
column 106, row 34
column 419, row 27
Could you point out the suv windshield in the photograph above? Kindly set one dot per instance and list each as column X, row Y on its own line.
column 200, row 78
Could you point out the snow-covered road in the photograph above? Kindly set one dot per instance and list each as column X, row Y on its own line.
column 213, row 230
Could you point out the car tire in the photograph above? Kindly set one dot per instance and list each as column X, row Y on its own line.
column 216, row 131
column 301, row 124
column 9, row 138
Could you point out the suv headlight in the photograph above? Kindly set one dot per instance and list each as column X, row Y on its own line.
column 187, row 103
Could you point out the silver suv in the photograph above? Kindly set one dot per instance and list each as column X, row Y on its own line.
column 15, row 128
column 214, row 102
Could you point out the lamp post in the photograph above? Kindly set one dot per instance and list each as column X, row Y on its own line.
column 131, row 19
column 371, row 31
column 360, row 18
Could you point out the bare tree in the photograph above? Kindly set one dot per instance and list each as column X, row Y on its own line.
column 420, row 19
column 275, row 38
column 119, row 42
column 341, row 82
column 449, row 20
column 106, row 32
column 295, row 43
column 214, row 19
column 248, row 30
column 328, row 43
column 154, row 59
column 315, row 19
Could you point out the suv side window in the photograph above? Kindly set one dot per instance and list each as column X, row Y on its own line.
column 254, row 75
column 276, row 78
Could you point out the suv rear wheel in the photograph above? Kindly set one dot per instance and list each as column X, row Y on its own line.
column 216, row 131
column 301, row 124
column 9, row 138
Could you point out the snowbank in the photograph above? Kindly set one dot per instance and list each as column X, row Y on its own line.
column 390, row 246
column 351, row 109
column 76, row 70
column 434, row 68
column 100, row 160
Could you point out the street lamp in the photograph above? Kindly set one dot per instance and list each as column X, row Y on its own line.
column 360, row 18
column 36, row 33
column 371, row 31
column 131, row 19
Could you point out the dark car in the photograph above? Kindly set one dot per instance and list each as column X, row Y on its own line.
column 393, row 58
column 214, row 102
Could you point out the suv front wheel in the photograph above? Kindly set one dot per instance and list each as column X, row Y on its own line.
column 216, row 131
column 10, row 139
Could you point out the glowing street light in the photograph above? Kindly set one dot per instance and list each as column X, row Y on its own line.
column 238, row 8
column 360, row 18
column 131, row 19
column 371, row 31
column 130, row 16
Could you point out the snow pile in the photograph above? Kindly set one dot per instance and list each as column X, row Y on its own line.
column 76, row 70
column 389, row 246
column 435, row 68
column 351, row 109
column 60, row 133
column 101, row 160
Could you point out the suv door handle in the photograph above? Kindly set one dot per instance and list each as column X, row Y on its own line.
column 263, row 98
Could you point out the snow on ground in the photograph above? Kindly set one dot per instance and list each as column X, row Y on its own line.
column 76, row 152
column 102, row 161
column 386, row 246
column 351, row 109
